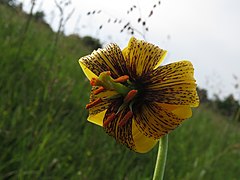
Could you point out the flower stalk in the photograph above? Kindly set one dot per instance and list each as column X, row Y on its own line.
column 161, row 158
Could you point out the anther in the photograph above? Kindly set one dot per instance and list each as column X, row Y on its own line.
column 122, row 79
column 99, row 90
column 108, row 73
column 131, row 94
column 109, row 119
column 93, row 81
column 94, row 103
column 125, row 119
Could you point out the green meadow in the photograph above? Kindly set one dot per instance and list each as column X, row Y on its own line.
column 43, row 129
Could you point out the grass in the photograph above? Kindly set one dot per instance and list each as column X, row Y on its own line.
column 43, row 129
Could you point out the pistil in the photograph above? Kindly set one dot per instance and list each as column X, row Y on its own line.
column 109, row 83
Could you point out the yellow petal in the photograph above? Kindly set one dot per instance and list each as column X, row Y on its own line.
column 129, row 135
column 97, row 112
column 181, row 111
column 154, row 121
column 143, row 144
column 173, row 84
column 125, row 52
column 89, row 74
column 106, row 59
column 142, row 57
column 162, row 57
column 122, row 134
column 97, row 118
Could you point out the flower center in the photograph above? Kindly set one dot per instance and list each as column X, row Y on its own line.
column 107, row 82
column 123, row 87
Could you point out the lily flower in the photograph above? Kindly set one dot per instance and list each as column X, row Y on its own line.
column 133, row 98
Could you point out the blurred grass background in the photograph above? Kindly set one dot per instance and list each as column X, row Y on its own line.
column 43, row 129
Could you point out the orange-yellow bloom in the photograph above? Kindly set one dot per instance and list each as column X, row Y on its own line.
column 133, row 98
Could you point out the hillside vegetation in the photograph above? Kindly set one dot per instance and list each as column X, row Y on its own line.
column 43, row 129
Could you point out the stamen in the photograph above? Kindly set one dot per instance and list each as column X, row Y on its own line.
column 99, row 90
column 94, row 103
column 109, row 119
column 122, row 79
column 131, row 94
column 125, row 119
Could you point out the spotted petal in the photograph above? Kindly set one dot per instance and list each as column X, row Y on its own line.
column 128, row 134
column 122, row 134
column 172, row 84
column 142, row 143
column 182, row 111
column 154, row 121
column 107, row 59
column 142, row 57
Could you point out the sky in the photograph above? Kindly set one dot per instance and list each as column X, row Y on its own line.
column 206, row 32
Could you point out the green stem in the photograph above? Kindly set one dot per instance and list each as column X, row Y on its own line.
column 161, row 158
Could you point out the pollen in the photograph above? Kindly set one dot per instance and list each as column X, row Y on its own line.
column 94, row 103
